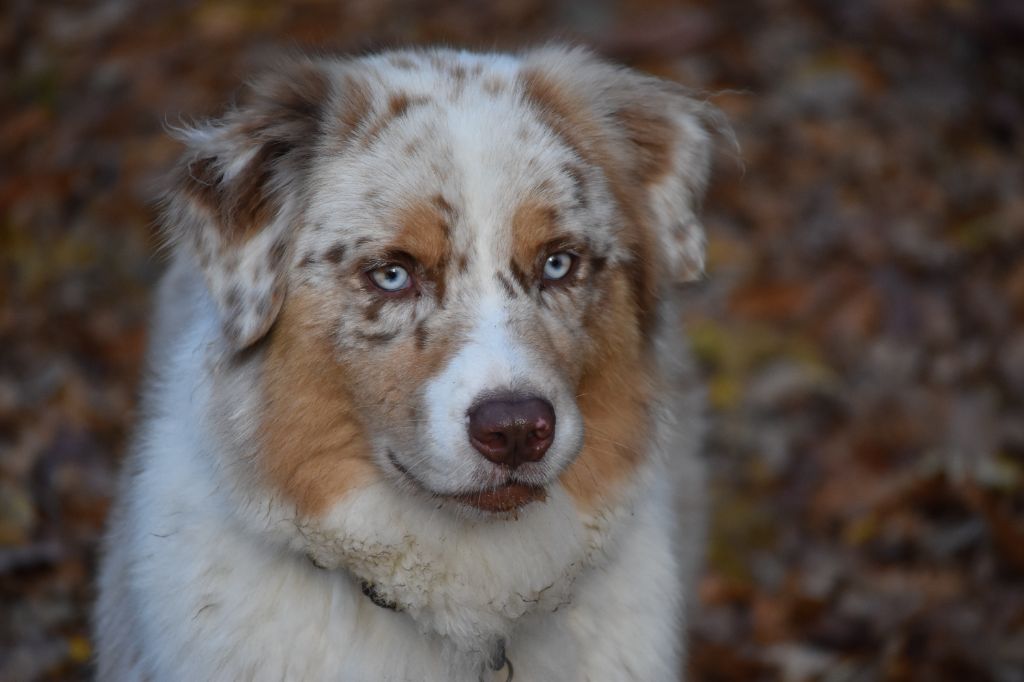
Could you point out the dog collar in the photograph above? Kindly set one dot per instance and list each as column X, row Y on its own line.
column 371, row 591
column 500, row 668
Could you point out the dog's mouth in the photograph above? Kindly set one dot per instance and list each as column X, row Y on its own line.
column 509, row 496
column 505, row 498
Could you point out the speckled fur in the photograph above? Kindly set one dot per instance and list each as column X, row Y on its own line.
column 303, row 434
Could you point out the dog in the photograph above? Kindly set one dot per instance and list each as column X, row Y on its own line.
column 419, row 405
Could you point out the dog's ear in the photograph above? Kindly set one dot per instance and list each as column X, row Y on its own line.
column 235, row 198
column 649, row 135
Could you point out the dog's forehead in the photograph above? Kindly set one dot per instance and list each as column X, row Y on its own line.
column 453, row 136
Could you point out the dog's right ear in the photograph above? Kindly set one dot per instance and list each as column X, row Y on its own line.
column 236, row 196
column 650, row 131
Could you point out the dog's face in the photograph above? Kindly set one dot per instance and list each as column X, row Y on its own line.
column 446, row 266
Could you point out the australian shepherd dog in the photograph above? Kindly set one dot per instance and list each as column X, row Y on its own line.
column 419, row 405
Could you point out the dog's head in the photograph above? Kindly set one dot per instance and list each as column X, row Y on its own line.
column 445, row 268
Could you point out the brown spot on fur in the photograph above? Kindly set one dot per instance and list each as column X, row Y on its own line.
column 378, row 337
column 579, row 193
column 452, row 68
column 494, row 86
column 400, row 61
column 262, row 306
column 205, row 246
column 437, row 61
column 441, row 172
column 520, row 276
column 335, row 254
column 201, row 181
column 442, row 204
column 510, row 291
column 239, row 207
column 562, row 110
column 313, row 448
column 357, row 103
column 642, row 283
column 424, row 234
column 462, row 263
column 652, row 136
column 533, row 225
column 398, row 105
column 457, row 73
column 301, row 89
column 276, row 254
column 422, row 335
column 249, row 206
column 307, row 260
column 371, row 313
column 233, row 300
column 614, row 397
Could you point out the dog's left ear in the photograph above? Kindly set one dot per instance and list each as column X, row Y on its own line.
column 235, row 201
column 647, row 133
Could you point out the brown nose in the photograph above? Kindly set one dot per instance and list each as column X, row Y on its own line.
column 512, row 431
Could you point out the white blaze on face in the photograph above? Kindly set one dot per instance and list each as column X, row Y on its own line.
column 491, row 363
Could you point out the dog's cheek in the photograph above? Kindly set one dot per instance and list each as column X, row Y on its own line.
column 313, row 448
column 558, row 338
column 614, row 397
column 391, row 374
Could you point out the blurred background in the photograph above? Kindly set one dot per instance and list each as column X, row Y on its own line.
column 860, row 327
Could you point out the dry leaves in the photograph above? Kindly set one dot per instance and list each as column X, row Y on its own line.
column 860, row 326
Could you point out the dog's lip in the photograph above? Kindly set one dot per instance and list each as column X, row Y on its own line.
column 507, row 497
column 504, row 498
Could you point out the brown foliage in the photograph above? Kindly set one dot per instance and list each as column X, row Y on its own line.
column 859, row 325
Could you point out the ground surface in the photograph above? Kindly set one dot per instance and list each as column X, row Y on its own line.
column 860, row 326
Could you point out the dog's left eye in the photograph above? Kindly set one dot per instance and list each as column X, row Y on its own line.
column 390, row 277
column 558, row 265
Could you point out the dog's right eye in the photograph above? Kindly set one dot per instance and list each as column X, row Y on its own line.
column 391, row 277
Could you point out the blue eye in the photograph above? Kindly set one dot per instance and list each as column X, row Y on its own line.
column 558, row 265
column 390, row 277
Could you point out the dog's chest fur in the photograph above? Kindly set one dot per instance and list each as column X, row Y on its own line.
column 295, row 503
